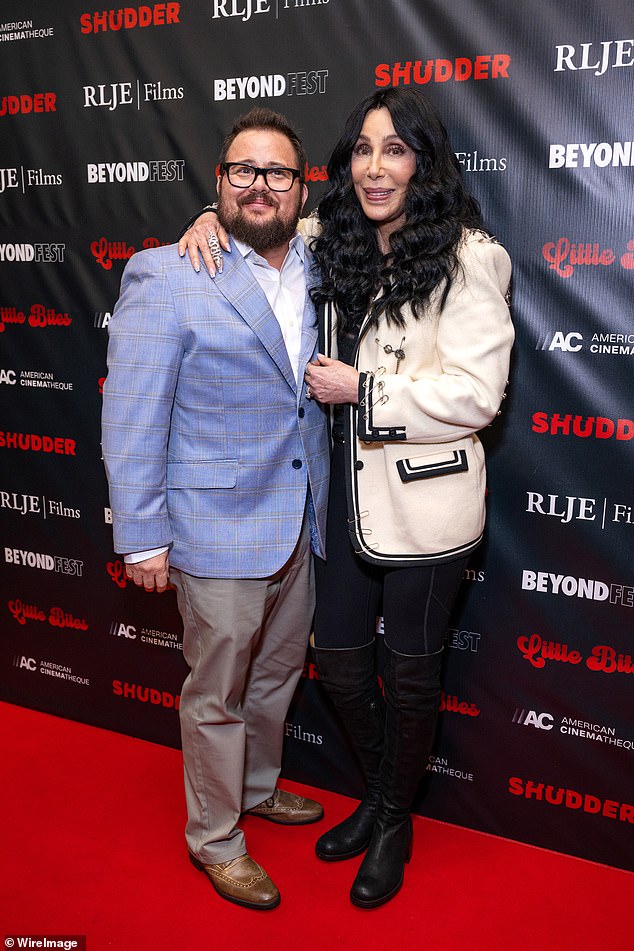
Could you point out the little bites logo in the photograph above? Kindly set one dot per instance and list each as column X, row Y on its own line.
column 303, row 83
column 105, row 252
column 130, row 18
column 565, row 256
column 57, row 617
column 38, row 315
column 602, row 658
column 422, row 72
column 571, row 799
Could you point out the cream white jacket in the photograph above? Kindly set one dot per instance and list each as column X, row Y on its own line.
column 416, row 475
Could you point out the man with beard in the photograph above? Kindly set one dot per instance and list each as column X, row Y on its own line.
column 218, row 473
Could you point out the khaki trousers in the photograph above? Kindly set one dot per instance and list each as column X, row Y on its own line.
column 245, row 644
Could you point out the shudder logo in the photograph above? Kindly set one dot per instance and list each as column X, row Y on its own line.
column 583, row 427
column 571, row 799
column 130, row 18
column 26, row 103
column 421, row 72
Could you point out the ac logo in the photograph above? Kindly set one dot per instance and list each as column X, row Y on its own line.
column 8, row 377
column 541, row 721
column 567, row 343
column 123, row 630
column 25, row 663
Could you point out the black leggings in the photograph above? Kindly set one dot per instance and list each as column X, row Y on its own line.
column 415, row 601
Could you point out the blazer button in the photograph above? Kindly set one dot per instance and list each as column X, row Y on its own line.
column 301, row 412
column 297, row 463
column 358, row 464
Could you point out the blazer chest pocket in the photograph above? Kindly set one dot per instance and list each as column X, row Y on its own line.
column 430, row 466
column 211, row 474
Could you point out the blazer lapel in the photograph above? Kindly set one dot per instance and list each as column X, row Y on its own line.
column 242, row 291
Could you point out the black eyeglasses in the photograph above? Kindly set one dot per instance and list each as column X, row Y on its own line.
column 278, row 178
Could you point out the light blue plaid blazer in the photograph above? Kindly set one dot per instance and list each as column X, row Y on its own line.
column 208, row 442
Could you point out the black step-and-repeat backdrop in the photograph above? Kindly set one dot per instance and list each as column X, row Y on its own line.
column 110, row 124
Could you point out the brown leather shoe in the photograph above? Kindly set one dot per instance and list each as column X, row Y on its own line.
column 241, row 881
column 288, row 809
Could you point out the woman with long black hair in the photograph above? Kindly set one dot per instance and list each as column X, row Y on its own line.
column 416, row 343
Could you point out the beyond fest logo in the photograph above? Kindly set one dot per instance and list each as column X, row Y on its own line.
column 304, row 83
column 158, row 170
column 27, row 253
column 546, row 582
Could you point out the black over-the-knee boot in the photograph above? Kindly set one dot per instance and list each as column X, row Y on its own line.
column 350, row 679
column 412, row 694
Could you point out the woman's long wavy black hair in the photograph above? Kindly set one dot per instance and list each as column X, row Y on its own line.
column 423, row 252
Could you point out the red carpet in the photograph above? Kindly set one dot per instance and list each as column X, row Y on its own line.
column 92, row 843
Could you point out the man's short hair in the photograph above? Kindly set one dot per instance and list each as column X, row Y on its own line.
column 262, row 118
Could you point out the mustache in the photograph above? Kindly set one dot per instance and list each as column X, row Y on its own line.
column 259, row 197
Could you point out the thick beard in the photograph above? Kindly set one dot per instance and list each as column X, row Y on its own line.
column 261, row 236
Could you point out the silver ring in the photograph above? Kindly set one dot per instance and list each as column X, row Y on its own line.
column 214, row 247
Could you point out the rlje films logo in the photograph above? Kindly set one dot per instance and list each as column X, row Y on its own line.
column 572, row 726
column 38, row 505
column 112, row 95
column 596, row 57
column 243, row 10
column 24, row 178
column 567, row 508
